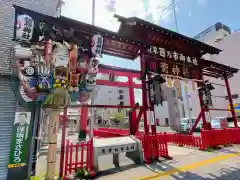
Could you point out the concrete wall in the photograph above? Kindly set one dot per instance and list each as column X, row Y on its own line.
column 7, row 24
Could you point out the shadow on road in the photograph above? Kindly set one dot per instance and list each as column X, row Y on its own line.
column 117, row 170
column 165, row 170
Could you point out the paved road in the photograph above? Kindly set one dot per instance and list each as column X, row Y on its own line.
column 187, row 164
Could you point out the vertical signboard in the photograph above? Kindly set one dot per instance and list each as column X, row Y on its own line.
column 173, row 109
column 20, row 140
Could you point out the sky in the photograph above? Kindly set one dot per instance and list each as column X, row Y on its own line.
column 193, row 16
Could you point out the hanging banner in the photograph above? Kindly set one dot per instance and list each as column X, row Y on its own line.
column 173, row 109
column 151, row 118
column 169, row 82
column 177, row 84
column 193, row 86
column 20, row 140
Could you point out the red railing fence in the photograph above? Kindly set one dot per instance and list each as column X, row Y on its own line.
column 78, row 156
column 186, row 140
column 154, row 146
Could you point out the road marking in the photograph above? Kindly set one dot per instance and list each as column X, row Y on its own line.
column 190, row 166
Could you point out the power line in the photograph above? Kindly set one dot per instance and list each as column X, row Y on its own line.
column 175, row 15
column 166, row 8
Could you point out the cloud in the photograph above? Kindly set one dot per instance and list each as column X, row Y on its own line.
column 189, row 14
column 201, row 2
column 150, row 10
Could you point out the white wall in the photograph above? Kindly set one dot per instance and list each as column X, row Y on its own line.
column 108, row 95
column 230, row 47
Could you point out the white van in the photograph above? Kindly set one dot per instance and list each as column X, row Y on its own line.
column 185, row 123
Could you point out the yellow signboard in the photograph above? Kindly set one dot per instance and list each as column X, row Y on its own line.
column 236, row 107
column 16, row 165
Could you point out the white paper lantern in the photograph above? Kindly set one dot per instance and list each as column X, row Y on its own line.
column 97, row 45
column 24, row 28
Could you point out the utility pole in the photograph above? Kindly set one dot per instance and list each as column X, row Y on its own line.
column 93, row 11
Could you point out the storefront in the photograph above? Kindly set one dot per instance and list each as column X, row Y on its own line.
column 8, row 100
column 7, row 113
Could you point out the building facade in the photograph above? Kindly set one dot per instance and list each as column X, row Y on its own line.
column 220, row 36
column 8, row 80
column 213, row 34
column 229, row 55
column 107, row 95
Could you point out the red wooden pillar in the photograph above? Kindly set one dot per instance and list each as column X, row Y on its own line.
column 230, row 100
column 83, row 122
column 132, row 103
column 201, row 104
column 64, row 126
column 144, row 93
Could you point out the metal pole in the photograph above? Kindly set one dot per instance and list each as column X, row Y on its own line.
column 93, row 92
column 34, row 142
column 187, row 103
column 93, row 12
column 92, row 115
column 230, row 100
column 175, row 15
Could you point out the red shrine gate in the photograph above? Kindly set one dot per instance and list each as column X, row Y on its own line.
column 162, row 53
column 175, row 56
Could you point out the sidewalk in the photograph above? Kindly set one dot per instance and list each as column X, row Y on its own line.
column 188, row 164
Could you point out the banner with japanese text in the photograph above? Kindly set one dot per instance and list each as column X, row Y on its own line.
column 20, row 140
column 173, row 109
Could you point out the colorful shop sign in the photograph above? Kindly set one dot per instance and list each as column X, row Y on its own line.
column 236, row 107
column 20, row 140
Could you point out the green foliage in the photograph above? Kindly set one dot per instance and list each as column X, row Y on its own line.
column 118, row 116
column 60, row 97
column 41, row 177
column 84, row 173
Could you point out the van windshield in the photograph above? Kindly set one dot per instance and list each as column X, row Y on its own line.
column 186, row 120
column 215, row 121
